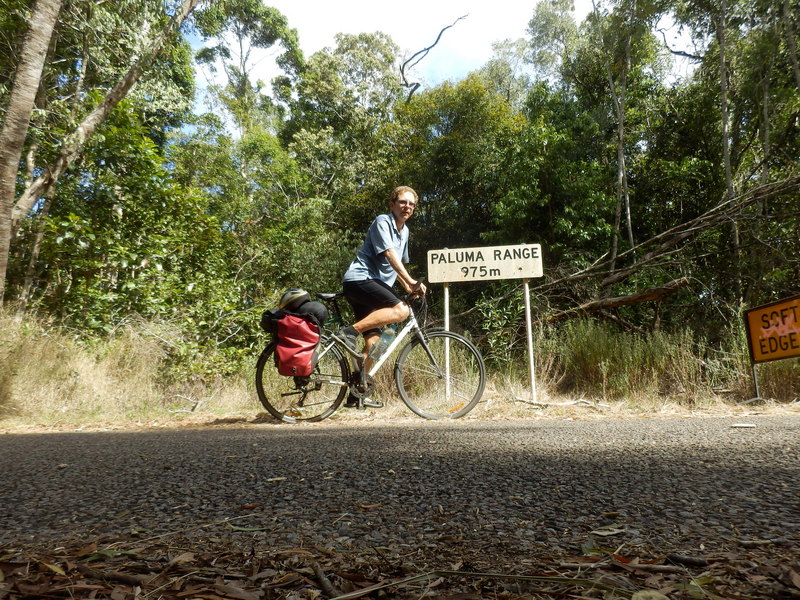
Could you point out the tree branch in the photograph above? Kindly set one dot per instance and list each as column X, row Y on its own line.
column 411, row 62
column 693, row 57
column 74, row 143
column 660, row 246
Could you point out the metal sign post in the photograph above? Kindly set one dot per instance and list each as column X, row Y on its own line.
column 447, row 342
column 523, row 261
column 529, row 330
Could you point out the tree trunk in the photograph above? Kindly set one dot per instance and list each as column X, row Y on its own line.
column 18, row 114
column 789, row 29
column 623, row 168
column 719, row 26
column 36, row 247
column 719, row 20
column 619, row 99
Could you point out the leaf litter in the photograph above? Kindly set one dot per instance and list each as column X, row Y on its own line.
column 207, row 568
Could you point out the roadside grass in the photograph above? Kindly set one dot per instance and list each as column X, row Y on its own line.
column 51, row 377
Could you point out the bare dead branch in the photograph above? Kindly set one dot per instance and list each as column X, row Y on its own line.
column 690, row 56
column 654, row 294
column 648, row 295
column 326, row 586
column 418, row 56
column 668, row 239
column 660, row 248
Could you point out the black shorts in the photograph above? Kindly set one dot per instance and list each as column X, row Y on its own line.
column 367, row 296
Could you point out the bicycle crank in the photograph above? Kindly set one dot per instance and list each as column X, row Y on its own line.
column 361, row 387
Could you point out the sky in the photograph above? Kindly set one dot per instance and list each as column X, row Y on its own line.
column 415, row 24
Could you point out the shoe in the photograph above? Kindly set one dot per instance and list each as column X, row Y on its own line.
column 348, row 336
column 352, row 402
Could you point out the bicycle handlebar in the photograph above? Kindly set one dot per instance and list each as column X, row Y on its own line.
column 414, row 290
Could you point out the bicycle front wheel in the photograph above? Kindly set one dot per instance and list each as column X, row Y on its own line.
column 442, row 378
column 311, row 398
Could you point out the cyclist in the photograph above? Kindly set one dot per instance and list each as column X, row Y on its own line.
column 368, row 282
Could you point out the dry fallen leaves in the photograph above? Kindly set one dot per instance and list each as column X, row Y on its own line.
column 197, row 570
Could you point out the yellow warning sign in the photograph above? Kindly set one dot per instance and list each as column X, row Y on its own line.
column 773, row 330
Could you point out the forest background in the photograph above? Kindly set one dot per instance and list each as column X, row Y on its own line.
column 142, row 235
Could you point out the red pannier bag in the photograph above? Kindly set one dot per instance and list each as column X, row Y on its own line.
column 296, row 351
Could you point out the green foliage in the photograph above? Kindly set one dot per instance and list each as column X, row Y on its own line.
column 501, row 343
column 344, row 101
column 12, row 28
column 453, row 143
column 94, row 45
column 121, row 237
column 252, row 25
column 197, row 222
column 506, row 72
column 251, row 21
column 553, row 35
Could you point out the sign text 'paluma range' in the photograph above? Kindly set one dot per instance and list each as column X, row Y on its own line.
column 521, row 261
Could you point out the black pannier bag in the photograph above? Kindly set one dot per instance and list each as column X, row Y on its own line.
column 316, row 311
column 269, row 320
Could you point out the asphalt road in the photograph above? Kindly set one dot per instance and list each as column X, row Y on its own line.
column 689, row 485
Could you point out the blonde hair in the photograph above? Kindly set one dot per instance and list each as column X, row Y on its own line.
column 401, row 189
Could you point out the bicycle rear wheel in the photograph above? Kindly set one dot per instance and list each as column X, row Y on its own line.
column 441, row 379
column 311, row 398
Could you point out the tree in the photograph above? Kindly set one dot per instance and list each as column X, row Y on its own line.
column 250, row 25
column 345, row 98
column 553, row 36
column 252, row 183
column 125, row 237
column 455, row 143
column 623, row 37
column 507, row 72
column 14, row 207
column 17, row 117
column 601, row 67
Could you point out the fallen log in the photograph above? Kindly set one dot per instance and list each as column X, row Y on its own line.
column 653, row 294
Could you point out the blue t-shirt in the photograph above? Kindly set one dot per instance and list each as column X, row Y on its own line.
column 370, row 263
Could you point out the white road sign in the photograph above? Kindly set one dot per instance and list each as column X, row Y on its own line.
column 522, row 261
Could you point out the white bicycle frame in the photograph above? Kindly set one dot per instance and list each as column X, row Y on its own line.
column 410, row 325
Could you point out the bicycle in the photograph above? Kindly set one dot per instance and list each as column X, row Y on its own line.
column 439, row 374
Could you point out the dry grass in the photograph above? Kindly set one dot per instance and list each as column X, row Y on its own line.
column 50, row 377
column 511, row 399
